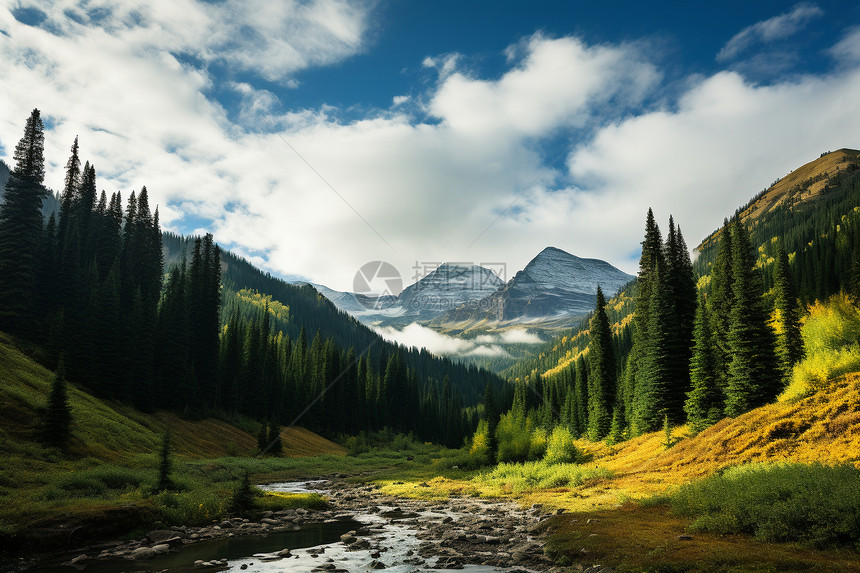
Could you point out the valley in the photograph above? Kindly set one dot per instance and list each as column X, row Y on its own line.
column 224, row 346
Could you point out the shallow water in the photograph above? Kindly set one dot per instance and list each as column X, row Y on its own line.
column 314, row 545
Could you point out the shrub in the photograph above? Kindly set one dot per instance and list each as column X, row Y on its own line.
column 813, row 503
column 560, row 447
column 513, row 436
column 479, row 451
column 831, row 341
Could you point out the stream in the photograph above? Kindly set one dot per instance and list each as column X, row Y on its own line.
column 363, row 531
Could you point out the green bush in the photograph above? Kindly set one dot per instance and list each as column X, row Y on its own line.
column 813, row 503
column 831, row 342
column 531, row 476
column 560, row 447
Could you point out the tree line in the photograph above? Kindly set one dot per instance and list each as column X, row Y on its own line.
column 87, row 288
column 689, row 356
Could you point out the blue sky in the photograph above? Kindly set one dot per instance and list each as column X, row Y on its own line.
column 314, row 136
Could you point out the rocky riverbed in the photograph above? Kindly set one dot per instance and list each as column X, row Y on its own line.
column 381, row 532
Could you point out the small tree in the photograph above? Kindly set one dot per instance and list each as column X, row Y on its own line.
column 275, row 446
column 59, row 416
column 164, row 466
column 242, row 500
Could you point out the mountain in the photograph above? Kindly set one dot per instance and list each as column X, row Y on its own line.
column 813, row 210
column 802, row 186
column 555, row 290
column 448, row 286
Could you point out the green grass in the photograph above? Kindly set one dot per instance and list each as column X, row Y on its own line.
column 811, row 503
column 533, row 476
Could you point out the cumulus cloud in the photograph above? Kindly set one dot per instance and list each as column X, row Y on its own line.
column 129, row 82
column 848, row 48
column 483, row 345
column 767, row 31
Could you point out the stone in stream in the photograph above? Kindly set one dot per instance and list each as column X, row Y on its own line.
column 377, row 564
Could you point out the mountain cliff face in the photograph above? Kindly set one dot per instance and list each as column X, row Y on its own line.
column 447, row 287
column 556, row 290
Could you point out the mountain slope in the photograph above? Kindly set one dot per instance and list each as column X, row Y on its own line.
column 308, row 309
column 799, row 188
column 813, row 209
column 555, row 290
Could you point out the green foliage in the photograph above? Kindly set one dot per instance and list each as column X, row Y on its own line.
column 560, row 447
column 831, row 340
column 812, row 503
column 242, row 500
column 704, row 405
column 602, row 377
column 754, row 377
column 513, row 435
column 786, row 320
column 164, row 464
column 531, row 476
column 480, row 450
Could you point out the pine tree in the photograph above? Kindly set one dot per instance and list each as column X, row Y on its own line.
column 581, row 390
column 789, row 344
column 655, row 372
column 21, row 228
column 720, row 303
column 492, row 416
column 704, row 404
column 754, row 376
column 58, row 418
column 680, row 285
column 642, row 385
column 275, row 445
column 602, row 378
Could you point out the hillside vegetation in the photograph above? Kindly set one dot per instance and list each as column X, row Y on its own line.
column 103, row 484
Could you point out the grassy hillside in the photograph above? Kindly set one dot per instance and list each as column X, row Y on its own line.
column 103, row 484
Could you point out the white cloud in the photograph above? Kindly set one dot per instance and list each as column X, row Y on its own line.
column 430, row 189
column 520, row 336
column 558, row 82
column 400, row 100
column 848, row 48
column 422, row 337
column 727, row 140
column 766, row 31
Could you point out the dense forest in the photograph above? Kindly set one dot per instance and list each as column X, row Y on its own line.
column 213, row 335
column 707, row 340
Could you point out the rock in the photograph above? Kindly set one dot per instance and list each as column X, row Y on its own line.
column 142, row 553
column 284, row 553
column 270, row 521
column 161, row 549
column 377, row 564
column 162, row 536
column 376, row 555
column 685, row 537
column 226, row 524
column 243, row 566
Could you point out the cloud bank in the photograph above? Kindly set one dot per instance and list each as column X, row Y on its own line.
column 455, row 172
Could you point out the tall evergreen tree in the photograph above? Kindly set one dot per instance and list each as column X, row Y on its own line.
column 602, row 378
column 21, row 228
column 704, row 404
column 721, row 301
column 789, row 344
column 754, row 376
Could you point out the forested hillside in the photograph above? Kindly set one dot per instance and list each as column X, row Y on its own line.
column 206, row 332
column 711, row 339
